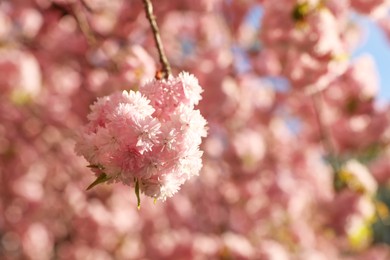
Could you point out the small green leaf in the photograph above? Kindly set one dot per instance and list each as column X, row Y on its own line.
column 137, row 194
column 100, row 179
column 95, row 166
column 300, row 12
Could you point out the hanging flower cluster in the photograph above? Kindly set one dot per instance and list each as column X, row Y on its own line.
column 149, row 138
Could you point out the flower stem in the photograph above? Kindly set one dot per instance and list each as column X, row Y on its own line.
column 166, row 68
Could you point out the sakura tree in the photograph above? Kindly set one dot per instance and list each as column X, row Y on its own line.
column 252, row 126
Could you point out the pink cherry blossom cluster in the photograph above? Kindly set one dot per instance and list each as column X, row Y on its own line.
column 148, row 138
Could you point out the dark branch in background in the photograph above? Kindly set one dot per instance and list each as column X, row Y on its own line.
column 324, row 133
column 166, row 68
column 84, row 26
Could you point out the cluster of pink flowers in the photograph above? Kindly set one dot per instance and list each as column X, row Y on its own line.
column 148, row 138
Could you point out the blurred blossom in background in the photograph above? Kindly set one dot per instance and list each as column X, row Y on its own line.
column 296, row 162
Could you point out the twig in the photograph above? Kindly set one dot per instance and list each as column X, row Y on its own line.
column 166, row 68
column 84, row 26
column 325, row 135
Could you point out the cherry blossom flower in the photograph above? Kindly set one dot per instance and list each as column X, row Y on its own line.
column 148, row 139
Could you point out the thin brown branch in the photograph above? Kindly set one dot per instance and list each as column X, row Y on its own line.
column 86, row 6
column 84, row 25
column 166, row 68
column 324, row 132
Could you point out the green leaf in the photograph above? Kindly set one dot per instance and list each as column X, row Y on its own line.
column 300, row 12
column 137, row 194
column 95, row 166
column 100, row 179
